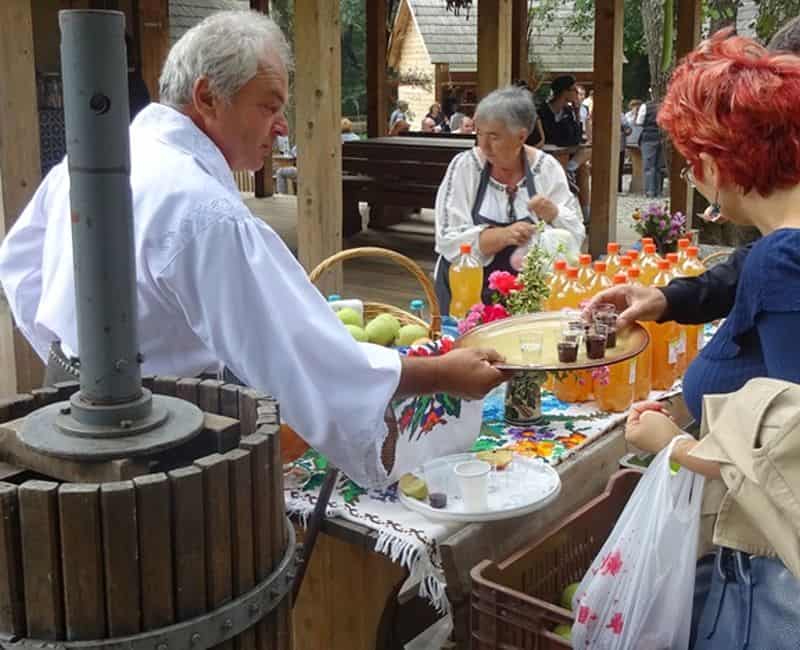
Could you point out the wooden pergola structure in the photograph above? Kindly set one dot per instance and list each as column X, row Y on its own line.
column 502, row 56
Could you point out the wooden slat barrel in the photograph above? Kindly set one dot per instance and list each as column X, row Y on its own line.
column 171, row 552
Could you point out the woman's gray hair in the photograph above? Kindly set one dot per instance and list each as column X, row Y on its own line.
column 227, row 48
column 513, row 106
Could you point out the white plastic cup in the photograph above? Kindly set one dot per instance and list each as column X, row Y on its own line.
column 473, row 480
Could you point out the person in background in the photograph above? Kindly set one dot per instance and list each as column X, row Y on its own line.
column 401, row 127
column 216, row 285
column 138, row 95
column 429, row 126
column 707, row 297
column 399, row 113
column 467, row 126
column 585, row 106
column 347, row 131
column 632, row 140
column 493, row 194
column 652, row 149
column 440, row 120
column 625, row 131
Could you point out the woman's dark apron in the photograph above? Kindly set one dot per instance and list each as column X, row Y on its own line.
column 502, row 259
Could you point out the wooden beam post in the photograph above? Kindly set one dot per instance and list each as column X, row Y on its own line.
column 494, row 45
column 690, row 18
column 606, row 122
column 262, row 181
column 153, row 41
column 20, row 171
column 377, row 88
column 519, row 40
column 318, row 90
column 441, row 79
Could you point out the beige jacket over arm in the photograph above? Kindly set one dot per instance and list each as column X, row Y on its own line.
column 754, row 434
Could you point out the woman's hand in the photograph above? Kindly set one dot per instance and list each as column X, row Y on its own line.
column 543, row 208
column 649, row 428
column 519, row 233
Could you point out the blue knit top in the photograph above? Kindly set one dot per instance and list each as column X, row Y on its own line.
column 761, row 336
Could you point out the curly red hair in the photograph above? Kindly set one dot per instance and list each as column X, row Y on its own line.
column 739, row 103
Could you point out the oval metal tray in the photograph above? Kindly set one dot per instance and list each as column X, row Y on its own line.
column 504, row 336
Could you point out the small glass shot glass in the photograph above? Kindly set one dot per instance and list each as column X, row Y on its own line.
column 596, row 341
column 530, row 347
column 609, row 321
column 568, row 348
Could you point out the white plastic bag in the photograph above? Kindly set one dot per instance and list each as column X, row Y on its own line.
column 638, row 592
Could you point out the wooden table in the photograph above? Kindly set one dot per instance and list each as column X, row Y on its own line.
column 354, row 598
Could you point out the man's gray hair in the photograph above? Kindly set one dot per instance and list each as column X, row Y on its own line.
column 227, row 48
column 513, row 106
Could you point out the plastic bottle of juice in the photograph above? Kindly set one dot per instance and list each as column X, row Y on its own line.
column 649, row 264
column 683, row 332
column 614, row 389
column 692, row 267
column 600, row 281
column 665, row 341
column 683, row 246
column 612, row 259
column 634, row 255
column 646, row 240
column 575, row 386
column 585, row 272
column 466, row 282
column 644, row 362
column 555, row 282
column 625, row 263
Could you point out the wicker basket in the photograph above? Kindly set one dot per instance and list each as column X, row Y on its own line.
column 514, row 601
column 372, row 309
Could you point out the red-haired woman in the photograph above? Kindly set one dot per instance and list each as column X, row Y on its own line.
column 732, row 111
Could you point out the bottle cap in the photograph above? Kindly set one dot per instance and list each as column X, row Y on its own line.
column 572, row 272
column 560, row 265
column 600, row 267
column 633, row 254
column 612, row 248
column 664, row 265
column 465, row 248
column 416, row 305
column 625, row 261
column 620, row 278
column 684, row 242
column 334, row 297
column 647, row 240
column 672, row 257
column 585, row 259
column 634, row 272
column 693, row 251
column 650, row 249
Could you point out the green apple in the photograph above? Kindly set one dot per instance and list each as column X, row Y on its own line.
column 564, row 631
column 381, row 331
column 410, row 333
column 350, row 317
column 357, row 333
column 568, row 594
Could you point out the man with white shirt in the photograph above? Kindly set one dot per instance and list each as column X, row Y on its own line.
column 214, row 283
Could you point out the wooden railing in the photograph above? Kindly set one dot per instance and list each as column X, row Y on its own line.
column 245, row 181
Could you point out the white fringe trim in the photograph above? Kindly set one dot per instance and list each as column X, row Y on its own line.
column 399, row 550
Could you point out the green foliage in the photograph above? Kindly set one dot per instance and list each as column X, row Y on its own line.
column 773, row 14
column 534, row 276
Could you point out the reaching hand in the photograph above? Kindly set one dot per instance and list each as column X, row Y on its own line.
column 519, row 233
column 469, row 372
column 543, row 208
column 633, row 303
column 649, row 428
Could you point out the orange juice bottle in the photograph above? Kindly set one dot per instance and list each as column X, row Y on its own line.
column 556, row 281
column 625, row 263
column 634, row 255
column 692, row 267
column 665, row 341
column 649, row 264
column 575, row 386
column 612, row 259
column 600, row 281
column 614, row 389
column 683, row 344
column 644, row 362
column 585, row 272
column 466, row 282
column 683, row 246
column 646, row 240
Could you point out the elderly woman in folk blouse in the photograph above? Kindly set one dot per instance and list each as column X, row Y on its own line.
column 494, row 194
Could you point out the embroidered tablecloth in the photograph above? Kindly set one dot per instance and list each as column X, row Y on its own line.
column 408, row 537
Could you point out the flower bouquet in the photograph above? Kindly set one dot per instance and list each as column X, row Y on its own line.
column 521, row 294
column 654, row 220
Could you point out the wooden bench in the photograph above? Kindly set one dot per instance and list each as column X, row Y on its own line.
column 394, row 175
